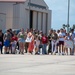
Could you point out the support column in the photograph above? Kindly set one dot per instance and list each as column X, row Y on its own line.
column 34, row 19
column 2, row 21
column 49, row 20
column 22, row 16
column 39, row 20
column 27, row 19
column 16, row 16
column 44, row 22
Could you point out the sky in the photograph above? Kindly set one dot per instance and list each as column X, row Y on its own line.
column 59, row 12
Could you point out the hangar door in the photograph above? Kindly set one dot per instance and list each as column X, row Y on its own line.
column 2, row 21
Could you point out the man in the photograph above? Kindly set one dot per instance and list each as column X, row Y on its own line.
column 1, row 40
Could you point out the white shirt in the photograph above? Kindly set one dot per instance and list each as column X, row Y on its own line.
column 28, row 39
column 61, row 36
column 37, row 42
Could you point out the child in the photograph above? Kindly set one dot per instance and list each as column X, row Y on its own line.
column 14, row 42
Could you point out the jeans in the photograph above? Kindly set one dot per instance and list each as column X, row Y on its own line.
column 44, row 48
column 1, row 47
column 50, row 47
column 72, row 53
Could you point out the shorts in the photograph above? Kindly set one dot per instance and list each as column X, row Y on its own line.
column 6, row 43
column 61, row 42
column 22, row 40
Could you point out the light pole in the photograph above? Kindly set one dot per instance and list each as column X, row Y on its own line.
column 29, row 12
column 68, row 16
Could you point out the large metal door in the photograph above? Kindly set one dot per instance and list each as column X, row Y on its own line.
column 2, row 21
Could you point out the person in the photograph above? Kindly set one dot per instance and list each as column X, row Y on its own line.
column 31, row 44
column 1, row 41
column 21, row 39
column 72, row 34
column 74, row 45
column 40, row 34
column 58, row 51
column 44, row 41
column 28, row 40
column 37, row 44
column 11, row 32
column 61, row 36
column 14, row 43
column 49, row 41
column 7, row 39
column 54, row 42
column 68, row 43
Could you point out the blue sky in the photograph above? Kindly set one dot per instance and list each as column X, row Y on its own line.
column 59, row 12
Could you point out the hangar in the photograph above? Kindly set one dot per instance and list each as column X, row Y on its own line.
column 25, row 14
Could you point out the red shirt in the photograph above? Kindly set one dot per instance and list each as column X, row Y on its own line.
column 44, row 39
column 14, row 38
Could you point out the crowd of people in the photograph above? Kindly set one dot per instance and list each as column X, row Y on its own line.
column 36, row 42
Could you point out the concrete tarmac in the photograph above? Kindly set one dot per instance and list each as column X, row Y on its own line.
column 37, row 65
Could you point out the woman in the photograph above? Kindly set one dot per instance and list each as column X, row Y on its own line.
column 68, row 43
column 7, row 40
column 21, row 39
column 61, row 36
column 31, row 44
column 37, row 44
column 54, row 42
